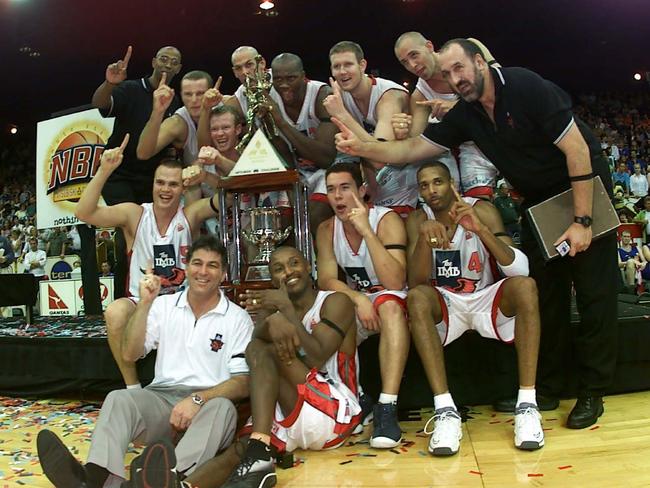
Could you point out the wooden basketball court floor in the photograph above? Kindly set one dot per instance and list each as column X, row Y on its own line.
column 614, row 453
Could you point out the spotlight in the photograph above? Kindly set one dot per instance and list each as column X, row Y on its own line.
column 13, row 130
column 266, row 4
column 637, row 76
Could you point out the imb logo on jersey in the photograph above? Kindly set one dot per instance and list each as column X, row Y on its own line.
column 360, row 277
column 164, row 259
column 447, row 268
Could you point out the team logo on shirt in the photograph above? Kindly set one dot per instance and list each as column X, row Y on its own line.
column 448, row 273
column 165, row 266
column 216, row 343
column 359, row 276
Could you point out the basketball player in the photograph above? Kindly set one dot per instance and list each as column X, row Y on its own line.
column 366, row 104
column 458, row 253
column 368, row 243
column 161, row 232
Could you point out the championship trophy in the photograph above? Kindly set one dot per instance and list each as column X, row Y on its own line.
column 266, row 233
column 261, row 170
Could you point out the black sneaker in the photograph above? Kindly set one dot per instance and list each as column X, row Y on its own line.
column 155, row 467
column 252, row 473
column 59, row 465
column 367, row 403
column 386, row 433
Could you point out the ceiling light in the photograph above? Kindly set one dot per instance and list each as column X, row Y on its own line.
column 266, row 4
column 637, row 76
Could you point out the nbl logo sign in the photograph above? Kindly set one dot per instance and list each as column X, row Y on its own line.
column 74, row 163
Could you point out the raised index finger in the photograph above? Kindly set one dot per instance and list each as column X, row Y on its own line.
column 127, row 56
column 357, row 201
column 335, row 86
column 163, row 79
column 125, row 141
column 456, row 194
column 218, row 83
column 342, row 127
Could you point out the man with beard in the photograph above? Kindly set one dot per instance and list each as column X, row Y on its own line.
column 458, row 250
column 429, row 102
column 524, row 124
column 160, row 232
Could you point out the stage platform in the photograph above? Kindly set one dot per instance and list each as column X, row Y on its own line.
column 70, row 355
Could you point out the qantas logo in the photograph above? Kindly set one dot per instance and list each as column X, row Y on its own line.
column 55, row 301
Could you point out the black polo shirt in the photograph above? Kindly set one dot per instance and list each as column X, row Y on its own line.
column 531, row 115
column 132, row 102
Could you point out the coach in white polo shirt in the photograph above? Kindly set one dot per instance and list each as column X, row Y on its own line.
column 201, row 338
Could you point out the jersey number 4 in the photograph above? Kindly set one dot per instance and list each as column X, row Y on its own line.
column 475, row 263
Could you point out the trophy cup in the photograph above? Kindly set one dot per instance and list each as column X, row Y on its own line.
column 265, row 233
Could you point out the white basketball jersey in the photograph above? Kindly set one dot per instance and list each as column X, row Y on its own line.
column 167, row 252
column 476, row 169
column 307, row 123
column 467, row 266
column 339, row 367
column 359, row 272
column 398, row 186
column 191, row 147
column 379, row 87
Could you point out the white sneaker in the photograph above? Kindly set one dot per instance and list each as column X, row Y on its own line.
column 529, row 434
column 447, row 433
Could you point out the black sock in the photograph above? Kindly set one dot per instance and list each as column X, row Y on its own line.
column 256, row 449
column 96, row 475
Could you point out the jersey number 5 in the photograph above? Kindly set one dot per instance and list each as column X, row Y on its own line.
column 474, row 263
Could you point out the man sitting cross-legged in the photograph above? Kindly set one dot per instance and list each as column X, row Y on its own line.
column 303, row 377
column 200, row 337
column 458, row 249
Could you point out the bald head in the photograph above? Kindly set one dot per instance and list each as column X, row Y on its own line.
column 247, row 51
column 415, row 38
column 168, row 50
column 287, row 60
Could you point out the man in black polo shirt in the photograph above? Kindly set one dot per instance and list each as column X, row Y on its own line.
column 525, row 125
column 130, row 102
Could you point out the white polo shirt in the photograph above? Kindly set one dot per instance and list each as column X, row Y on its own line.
column 197, row 353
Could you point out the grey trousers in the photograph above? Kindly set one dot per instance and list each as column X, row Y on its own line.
column 143, row 415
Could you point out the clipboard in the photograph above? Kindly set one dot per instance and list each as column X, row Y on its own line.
column 550, row 218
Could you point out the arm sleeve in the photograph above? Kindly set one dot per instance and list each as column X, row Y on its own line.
column 449, row 132
column 154, row 319
column 237, row 363
column 119, row 101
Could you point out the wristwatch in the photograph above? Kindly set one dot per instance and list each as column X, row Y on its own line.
column 585, row 220
column 198, row 399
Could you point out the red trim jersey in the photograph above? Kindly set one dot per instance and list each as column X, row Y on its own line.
column 359, row 271
column 167, row 252
column 467, row 266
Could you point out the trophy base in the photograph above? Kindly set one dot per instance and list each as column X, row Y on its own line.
column 258, row 272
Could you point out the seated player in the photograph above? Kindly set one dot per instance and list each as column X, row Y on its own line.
column 458, row 250
column 368, row 243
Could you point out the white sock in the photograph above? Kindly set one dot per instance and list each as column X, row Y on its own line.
column 136, row 386
column 443, row 401
column 385, row 398
column 526, row 396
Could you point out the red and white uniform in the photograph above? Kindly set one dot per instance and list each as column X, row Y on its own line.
column 477, row 174
column 328, row 407
column 470, row 286
column 396, row 185
column 307, row 123
column 167, row 252
column 359, row 271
